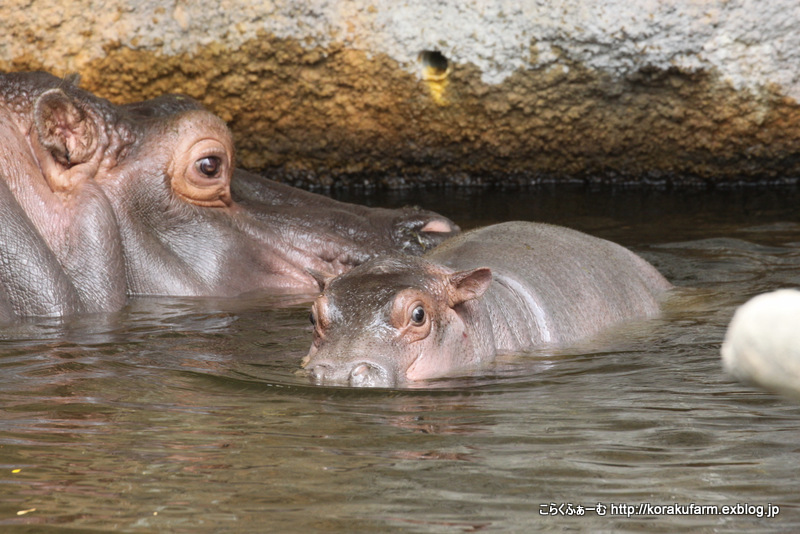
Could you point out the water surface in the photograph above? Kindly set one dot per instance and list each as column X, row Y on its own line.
column 186, row 415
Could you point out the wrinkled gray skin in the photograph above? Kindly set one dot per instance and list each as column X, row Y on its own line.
column 99, row 202
column 762, row 344
column 502, row 288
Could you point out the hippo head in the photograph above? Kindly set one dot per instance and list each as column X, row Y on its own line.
column 394, row 320
column 189, row 230
column 145, row 199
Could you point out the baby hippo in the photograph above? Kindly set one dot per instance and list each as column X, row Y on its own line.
column 503, row 288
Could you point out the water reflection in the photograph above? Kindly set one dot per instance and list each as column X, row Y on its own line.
column 187, row 415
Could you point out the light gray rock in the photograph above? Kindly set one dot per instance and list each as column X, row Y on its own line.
column 752, row 44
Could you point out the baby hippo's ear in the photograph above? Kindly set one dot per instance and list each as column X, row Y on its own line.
column 468, row 285
column 320, row 277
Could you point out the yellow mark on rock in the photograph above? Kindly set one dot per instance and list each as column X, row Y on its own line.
column 435, row 70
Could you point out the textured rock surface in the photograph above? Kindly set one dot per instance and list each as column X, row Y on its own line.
column 325, row 91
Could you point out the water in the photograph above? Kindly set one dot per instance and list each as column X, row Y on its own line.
column 181, row 415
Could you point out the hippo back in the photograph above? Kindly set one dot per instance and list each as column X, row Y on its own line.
column 552, row 284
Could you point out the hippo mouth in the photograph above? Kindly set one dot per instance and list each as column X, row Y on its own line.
column 417, row 370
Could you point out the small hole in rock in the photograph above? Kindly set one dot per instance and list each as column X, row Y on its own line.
column 434, row 65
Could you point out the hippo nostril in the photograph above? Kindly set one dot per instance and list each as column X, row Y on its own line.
column 361, row 369
column 317, row 373
column 369, row 375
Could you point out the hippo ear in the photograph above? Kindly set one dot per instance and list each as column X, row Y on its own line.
column 64, row 129
column 468, row 285
column 73, row 78
column 322, row 278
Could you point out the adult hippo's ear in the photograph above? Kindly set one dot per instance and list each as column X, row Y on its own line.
column 468, row 285
column 66, row 140
column 202, row 162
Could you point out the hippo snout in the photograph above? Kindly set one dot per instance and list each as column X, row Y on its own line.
column 360, row 374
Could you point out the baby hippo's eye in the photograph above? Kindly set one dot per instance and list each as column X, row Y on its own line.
column 209, row 166
column 312, row 318
column 418, row 315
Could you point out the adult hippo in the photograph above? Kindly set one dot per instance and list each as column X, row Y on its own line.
column 762, row 343
column 507, row 287
column 98, row 202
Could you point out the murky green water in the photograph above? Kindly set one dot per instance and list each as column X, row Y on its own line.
column 186, row 415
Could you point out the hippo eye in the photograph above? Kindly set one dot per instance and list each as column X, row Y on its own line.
column 312, row 318
column 209, row 165
column 418, row 315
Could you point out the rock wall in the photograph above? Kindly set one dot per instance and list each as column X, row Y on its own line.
column 339, row 92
